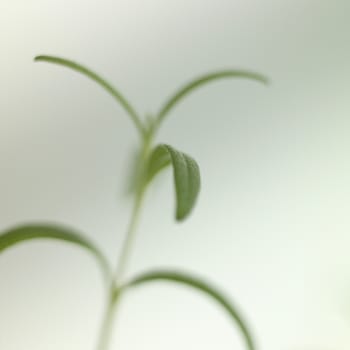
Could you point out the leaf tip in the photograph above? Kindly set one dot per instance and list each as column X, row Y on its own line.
column 265, row 80
column 261, row 78
column 179, row 217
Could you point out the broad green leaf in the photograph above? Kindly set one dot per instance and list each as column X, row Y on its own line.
column 201, row 286
column 102, row 82
column 24, row 233
column 186, row 176
column 196, row 83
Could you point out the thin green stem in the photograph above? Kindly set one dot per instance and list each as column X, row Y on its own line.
column 107, row 323
column 129, row 240
column 113, row 296
column 114, row 291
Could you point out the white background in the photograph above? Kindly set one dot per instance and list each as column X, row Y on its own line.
column 272, row 223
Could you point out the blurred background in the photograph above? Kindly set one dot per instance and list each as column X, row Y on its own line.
column 271, row 227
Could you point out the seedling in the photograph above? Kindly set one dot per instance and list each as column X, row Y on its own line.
column 151, row 159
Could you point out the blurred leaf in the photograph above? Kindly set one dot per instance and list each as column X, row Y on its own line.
column 160, row 159
column 186, row 176
column 133, row 171
column 201, row 286
column 24, row 233
column 196, row 83
column 102, row 82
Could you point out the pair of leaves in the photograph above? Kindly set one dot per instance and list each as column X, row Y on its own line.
column 170, row 103
column 21, row 234
column 24, row 233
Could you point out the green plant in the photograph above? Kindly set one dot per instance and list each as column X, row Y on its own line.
column 151, row 160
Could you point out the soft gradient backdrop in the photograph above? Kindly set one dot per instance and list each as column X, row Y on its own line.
column 272, row 223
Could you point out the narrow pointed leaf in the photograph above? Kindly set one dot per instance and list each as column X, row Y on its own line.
column 186, row 176
column 95, row 77
column 205, row 79
column 200, row 286
column 24, row 233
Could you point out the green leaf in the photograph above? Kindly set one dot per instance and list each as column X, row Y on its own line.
column 186, row 176
column 24, row 233
column 102, row 82
column 201, row 286
column 207, row 78
column 159, row 160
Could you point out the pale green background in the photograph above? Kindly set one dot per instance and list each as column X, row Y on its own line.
column 272, row 223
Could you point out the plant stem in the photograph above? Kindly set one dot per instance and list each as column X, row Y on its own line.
column 113, row 294
column 107, row 324
column 129, row 240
